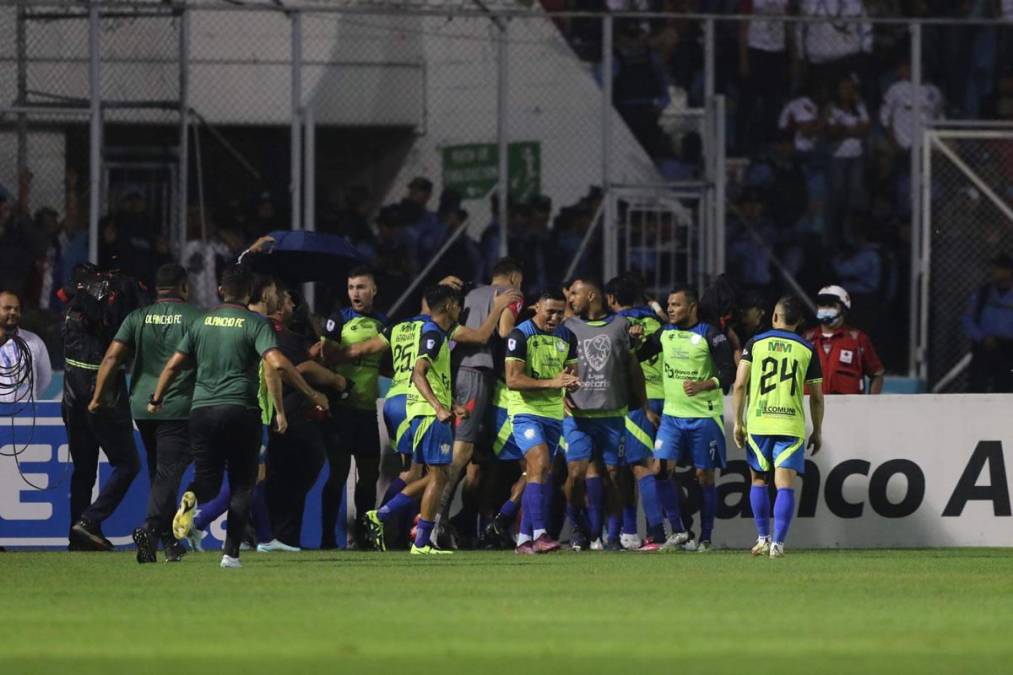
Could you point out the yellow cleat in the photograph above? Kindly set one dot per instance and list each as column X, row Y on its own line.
column 182, row 522
column 429, row 550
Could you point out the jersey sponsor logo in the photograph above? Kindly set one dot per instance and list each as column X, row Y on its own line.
column 847, row 356
column 778, row 346
column 597, row 351
column 764, row 409
column 224, row 321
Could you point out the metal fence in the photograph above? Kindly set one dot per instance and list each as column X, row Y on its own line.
column 673, row 145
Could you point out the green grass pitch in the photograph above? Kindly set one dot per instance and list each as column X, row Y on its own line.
column 919, row 612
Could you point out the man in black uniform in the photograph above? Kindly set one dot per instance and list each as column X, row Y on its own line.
column 150, row 334
column 228, row 346
column 99, row 303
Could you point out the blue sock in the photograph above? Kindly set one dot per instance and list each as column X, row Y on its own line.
column 259, row 515
column 595, row 501
column 759, row 499
column 613, row 527
column 708, row 508
column 652, row 509
column 669, row 500
column 400, row 502
column 395, row 487
column 784, row 509
column 525, row 518
column 630, row 519
column 534, row 503
column 508, row 510
column 423, row 532
column 574, row 515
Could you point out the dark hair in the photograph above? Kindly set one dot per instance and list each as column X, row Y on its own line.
column 236, row 282
column 261, row 282
column 589, row 281
column 437, row 297
column 362, row 271
column 552, row 294
column 625, row 289
column 170, row 276
column 719, row 299
column 791, row 309
column 507, row 266
column 691, row 295
column 11, row 291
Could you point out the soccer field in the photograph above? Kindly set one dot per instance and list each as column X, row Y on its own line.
column 854, row 611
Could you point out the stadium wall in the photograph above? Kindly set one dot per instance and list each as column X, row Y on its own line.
column 895, row 471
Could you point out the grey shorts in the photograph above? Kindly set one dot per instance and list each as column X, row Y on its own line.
column 473, row 390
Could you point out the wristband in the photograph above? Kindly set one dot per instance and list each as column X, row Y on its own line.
column 153, row 401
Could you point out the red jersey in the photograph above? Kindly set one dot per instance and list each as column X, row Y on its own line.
column 846, row 356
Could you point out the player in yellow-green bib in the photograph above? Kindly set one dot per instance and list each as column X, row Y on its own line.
column 774, row 370
column 354, row 428
column 697, row 367
column 430, row 407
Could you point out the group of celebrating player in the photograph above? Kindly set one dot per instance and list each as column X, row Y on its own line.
column 595, row 398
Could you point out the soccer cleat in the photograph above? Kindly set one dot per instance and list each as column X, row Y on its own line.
column 630, row 542
column 174, row 551
column 596, row 545
column 546, row 544
column 182, row 522
column 275, row 545
column 527, row 548
column 676, row 541
column 498, row 533
column 777, row 550
column 703, row 546
column 649, row 546
column 429, row 549
column 86, row 536
column 578, row 540
column 762, row 547
column 145, row 546
column 614, row 546
column 375, row 530
column 228, row 562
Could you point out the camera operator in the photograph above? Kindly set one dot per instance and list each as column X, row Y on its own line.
column 96, row 306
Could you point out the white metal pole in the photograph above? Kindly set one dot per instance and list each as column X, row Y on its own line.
column 295, row 187
column 310, row 189
column 611, row 243
column 720, row 176
column 916, row 344
column 95, row 132
column 183, row 199
column 502, row 140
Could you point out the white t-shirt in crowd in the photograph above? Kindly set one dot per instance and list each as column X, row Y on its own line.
column 799, row 111
column 897, row 111
column 199, row 258
column 42, row 369
column 766, row 35
column 849, row 147
column 837, row 37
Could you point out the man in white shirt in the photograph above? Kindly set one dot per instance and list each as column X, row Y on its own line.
column 897, row 113
column 16, row 370
column 837, row 46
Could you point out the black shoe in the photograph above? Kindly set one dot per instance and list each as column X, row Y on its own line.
column 174, row 550
column 497, row 534
column 145, row 546
column 88, row 537
column 578, row 540
column 614, row 546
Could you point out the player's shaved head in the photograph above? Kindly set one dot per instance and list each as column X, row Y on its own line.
column 586, row 296
column 788, row 313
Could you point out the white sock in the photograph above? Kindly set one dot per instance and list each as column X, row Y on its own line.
column 538, row 533
column 523, row 538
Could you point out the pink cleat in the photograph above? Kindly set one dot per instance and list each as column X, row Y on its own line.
column 546, row 544
column 649, row 546
column 527, row 548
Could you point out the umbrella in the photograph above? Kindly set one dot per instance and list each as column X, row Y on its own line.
column 300, row 256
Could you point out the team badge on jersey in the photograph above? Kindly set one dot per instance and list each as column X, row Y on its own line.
column 330, row 325
column 597, row 351
column 430, row 344
column 512, row 344
column 529, row 434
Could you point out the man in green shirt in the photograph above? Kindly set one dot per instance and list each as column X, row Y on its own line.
column 774, row 370
column 431, row 409
column 149, row 335
column 227, row 346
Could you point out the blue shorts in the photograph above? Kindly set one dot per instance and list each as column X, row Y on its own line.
column 532, row 430
column 779, row 452
column 592, row 437
column 685, row 439
column 640, row 433
column 503, row 445
column 395, row 416
column 432, row 441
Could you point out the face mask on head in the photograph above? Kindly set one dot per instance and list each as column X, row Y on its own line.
column 828, row 315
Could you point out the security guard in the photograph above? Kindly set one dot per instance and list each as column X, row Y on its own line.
column 97, row 305
column 150, row 334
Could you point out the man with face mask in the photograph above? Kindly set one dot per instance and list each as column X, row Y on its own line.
column 846, row 354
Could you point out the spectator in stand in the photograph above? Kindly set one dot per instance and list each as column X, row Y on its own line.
column 763, row 68
column 838, row 46
column 859, row 269
column 431, row 240
column 489, row 242
column 139, row 236
column 681, row 166
column 464, row 258
column 639, row 86
column 15, row 259
column 265, row 218
column 847, row 128
column 846, row 354
column 395, row 262
column 803, row 119
column 748, row 260
column 417, row 223
column 205, row 258
column 988, row 322
column 73, row 235
column 533, row 245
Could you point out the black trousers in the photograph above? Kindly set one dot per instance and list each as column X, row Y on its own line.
column 111, row 431
column 226, row 437
column 167, row 444
column 294, row 460
column 347, row 433
column 992, row 369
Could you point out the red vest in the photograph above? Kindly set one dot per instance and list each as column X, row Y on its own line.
column 846, row 358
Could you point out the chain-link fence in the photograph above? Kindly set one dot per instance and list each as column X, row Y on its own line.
column 616, row 136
